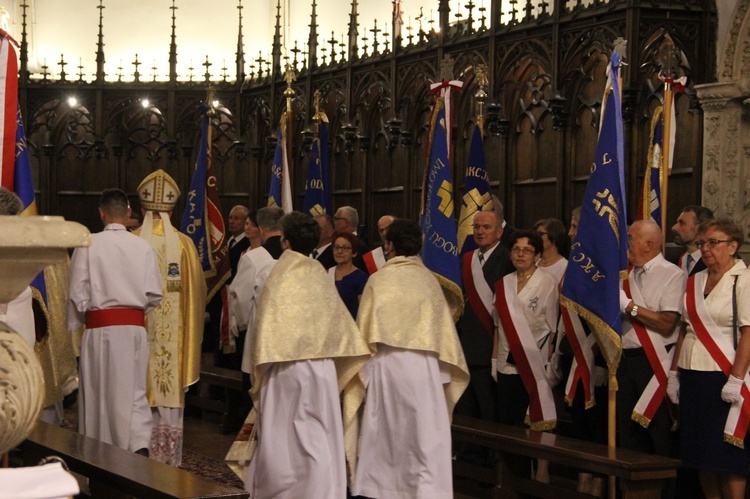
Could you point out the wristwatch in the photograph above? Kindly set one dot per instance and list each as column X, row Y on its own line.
column 634, row 311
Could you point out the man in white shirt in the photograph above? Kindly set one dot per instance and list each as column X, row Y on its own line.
column 651, row 307
column 113, row 284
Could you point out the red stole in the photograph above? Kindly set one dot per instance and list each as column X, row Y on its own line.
column 473, row 294
column 583, row 357
column 528, row 358
column 659, row 360
column 722, row 352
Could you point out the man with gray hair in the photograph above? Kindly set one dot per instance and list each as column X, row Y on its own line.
column 346, row 219
column 252, row 271
column 508, row 230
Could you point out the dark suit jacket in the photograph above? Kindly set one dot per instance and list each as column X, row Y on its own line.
column 326, row 257
column 699, row 265
column 235, row 252
column 477, row 344
column 505, row 236
column 273, row 246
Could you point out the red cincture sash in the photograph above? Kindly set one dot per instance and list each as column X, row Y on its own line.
column 583, row 357
column 660, row 361
column 374, row 260
column 478, row 292
column 722, row 352
column 115, row 317
column 528, row 358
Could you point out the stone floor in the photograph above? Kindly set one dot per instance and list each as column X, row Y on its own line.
column 204, row 436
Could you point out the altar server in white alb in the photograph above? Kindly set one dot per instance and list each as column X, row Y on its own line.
column 175, row 327
column 113, row 284
column 401, row 445
column 305, row 349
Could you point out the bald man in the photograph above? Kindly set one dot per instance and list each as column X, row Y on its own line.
column 651, row 305
column 376, row 258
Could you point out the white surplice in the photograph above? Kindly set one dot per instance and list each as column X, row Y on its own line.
column 19, row 315
column 300, row 449
column 118, row 270
column 405, row 409
column 252, row 271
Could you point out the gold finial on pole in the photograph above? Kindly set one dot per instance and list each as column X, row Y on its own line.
column 316, row 103
column 481, row 93
column 290, row 77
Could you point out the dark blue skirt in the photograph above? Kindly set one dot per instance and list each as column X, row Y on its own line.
column 702, row 418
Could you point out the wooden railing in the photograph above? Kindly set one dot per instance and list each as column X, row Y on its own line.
column 640, row 475
column 116, row 473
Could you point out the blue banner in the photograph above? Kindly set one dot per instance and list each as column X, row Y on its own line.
column 193, row 218
column 202, row 220
column 274, row 193
column 650, row 207
column 477, row 195
column 598, row 259
column 440, row 253
column 325, row 165
column 23, row 185
column 315, row 187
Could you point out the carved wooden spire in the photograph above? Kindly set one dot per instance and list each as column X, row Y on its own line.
column 99, row 45
column 353, row 31
column 312, row 39
column 276, row 51
column 173, row 46
column 24, row 71
column 240, row 49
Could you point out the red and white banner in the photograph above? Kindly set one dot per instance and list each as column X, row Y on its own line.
column 374, row 260
column 9, row 109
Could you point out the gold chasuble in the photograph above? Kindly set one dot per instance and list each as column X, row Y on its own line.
column 56, row 351
column 301, row 317
column 403, row 306
column 175, row 327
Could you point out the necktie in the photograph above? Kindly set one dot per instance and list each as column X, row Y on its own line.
column 481, row 259
column 689, row 261
column 232, row 242
column 638, row 275
column 315, row 254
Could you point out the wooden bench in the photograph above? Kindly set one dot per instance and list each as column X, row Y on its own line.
column 640, row 475
column 116, row 473
column 229, row 407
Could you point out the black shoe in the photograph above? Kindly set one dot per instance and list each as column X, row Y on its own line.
column 70, row 399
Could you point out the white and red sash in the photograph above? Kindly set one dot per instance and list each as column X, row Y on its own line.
column 660, row 361
column 374, row 260
column 525, row 351
column 583, row 358
column 722, row 352
column 681, row 260
column 478, row 292
column 332, row 273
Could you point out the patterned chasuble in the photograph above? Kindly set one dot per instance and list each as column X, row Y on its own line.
column 175, row 328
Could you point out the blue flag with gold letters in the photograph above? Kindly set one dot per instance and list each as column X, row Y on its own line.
column 440, row 253
column 598, row 258
column 477, row 195
column 316, row 187
column 274, row 192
